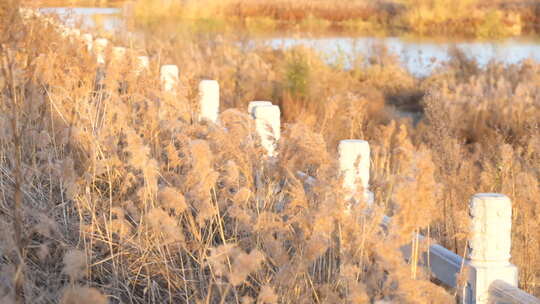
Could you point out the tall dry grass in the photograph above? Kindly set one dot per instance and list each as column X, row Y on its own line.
column 126, row 198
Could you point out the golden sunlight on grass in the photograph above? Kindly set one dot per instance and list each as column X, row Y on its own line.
column 113, row 191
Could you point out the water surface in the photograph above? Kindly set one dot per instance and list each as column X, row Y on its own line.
column 420, row 57
column 88, row 17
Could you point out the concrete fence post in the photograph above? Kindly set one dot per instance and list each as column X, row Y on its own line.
column 118, row 54
column 268, row 124
column 354, row 163
column 142, row 63
column 100, row 46
column 488, row 256
column 209, row 100
column 68, row 32
column 76, row 32
column 253, row 104
column 63, row 30
column 88, row 40
column 169, row 77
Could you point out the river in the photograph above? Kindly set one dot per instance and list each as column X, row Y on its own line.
column 420, row 57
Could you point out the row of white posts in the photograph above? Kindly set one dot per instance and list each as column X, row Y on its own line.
column 169, row 74
column 491, row 276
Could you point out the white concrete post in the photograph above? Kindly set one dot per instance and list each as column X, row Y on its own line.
column 488, row 258
column 118, row 54
column 268, row 126
column 64, row 30
column 142, row 63
column 209, row 100
column 169, row 77
column 253, row 104
column 88, row 40
column 354, row 163
column 100, row 45
column 76, row 32
column 69, row 32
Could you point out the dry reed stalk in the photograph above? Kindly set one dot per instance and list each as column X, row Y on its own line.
column 153, row 197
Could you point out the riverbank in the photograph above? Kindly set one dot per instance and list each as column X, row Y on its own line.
column 421, row 18
column 126, row 196
column 464, row 18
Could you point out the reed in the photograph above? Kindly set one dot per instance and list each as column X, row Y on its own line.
column 126, row 196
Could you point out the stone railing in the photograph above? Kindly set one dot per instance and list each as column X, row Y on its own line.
column 492, row 278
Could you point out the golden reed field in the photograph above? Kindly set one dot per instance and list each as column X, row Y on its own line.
column 112, row 192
